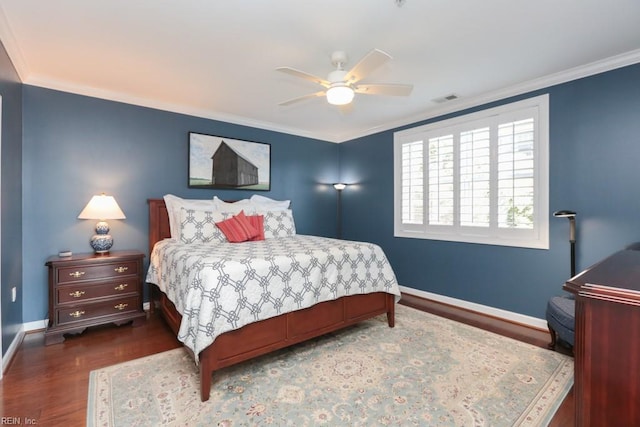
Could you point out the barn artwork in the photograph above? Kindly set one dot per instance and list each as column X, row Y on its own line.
column 219, row 162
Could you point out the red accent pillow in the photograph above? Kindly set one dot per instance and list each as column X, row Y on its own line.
column 238, row 228
column 257, row 221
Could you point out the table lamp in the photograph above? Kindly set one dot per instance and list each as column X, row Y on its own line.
column 102, row 207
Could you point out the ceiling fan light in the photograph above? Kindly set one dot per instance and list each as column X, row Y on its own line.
column 340, row 95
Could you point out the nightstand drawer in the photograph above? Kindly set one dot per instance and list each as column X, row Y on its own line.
column 87, row 291
column 91, row 272
column 89, row 311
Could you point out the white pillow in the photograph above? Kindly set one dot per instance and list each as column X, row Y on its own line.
column 278, row 224
column 199, row 226
column 266, row 204
column 241, row 205
column 174, row 203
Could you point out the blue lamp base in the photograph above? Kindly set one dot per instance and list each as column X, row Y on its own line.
column 102, row 241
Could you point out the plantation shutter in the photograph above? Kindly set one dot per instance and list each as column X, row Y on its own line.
column 475, row 178
column 516, row 174
column 413, row 183
column 441, row 181
column 479, row 178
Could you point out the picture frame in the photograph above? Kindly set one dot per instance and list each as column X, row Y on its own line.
column 228, row 163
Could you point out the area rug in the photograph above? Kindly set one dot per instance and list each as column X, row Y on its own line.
column 427, row 371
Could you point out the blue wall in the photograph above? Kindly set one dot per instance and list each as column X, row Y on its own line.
column 11, row 203
column 76, row 146
column 594, row 170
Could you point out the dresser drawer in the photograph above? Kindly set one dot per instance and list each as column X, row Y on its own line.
column 87, row 291
column 84, row 312
column 80, row 273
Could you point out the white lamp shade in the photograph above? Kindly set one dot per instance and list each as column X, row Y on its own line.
column 339, row 186
column 340, row 95
column 102, row 207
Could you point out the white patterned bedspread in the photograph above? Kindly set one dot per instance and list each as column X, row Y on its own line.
column 224, row 286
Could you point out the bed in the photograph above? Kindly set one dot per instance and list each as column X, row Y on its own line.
column 258, row 337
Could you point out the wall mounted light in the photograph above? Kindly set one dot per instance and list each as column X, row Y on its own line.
column 571, row 216
column 102, row 207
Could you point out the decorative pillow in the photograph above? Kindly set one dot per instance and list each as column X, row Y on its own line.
column 200, row 226
column 263, row 203
column 257, row 221
column 238, row 228
column 241, row 205
column 174, row 203
column 278, row 224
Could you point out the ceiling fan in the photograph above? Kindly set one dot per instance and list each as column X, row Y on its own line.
column 341, row 86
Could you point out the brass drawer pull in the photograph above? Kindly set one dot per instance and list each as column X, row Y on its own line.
column 76, row 294
column 77, row 274
column 76, row 314
column 120, row 269
column 120, row 306
column 121, row 287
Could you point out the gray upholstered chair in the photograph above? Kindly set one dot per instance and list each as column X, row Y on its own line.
column 561, row 320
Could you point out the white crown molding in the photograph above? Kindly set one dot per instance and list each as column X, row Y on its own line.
column 12, row 47
column 608, row 64
column 39, row 81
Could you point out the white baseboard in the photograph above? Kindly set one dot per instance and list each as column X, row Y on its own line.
column 37, row 325
column 40, row 325
column 510, row 316
column 11, row 351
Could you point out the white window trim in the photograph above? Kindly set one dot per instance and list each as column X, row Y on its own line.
column 537, row 238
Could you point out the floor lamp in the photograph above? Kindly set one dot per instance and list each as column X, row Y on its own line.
column 571, row 216
column 339, row 187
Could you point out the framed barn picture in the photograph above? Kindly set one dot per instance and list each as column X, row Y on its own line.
column 219, row 162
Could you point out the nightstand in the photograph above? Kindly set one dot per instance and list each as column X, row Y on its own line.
column 88, row 289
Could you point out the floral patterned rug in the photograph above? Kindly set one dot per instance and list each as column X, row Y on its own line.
column 427, row 371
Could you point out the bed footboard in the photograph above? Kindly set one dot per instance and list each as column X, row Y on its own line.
column 278, row 332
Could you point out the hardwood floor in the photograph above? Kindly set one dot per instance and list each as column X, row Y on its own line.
column 48, row 385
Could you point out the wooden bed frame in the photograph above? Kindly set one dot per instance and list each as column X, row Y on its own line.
column 265, row 336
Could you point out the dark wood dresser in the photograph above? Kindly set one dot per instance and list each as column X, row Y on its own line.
column 607, row 341
column 88, row 289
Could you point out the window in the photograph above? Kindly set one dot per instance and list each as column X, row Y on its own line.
column 478, row 178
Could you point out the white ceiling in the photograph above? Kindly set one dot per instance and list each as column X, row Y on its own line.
column 217, row 59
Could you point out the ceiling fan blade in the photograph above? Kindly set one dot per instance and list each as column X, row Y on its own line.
column 391, row 89
column 304, row 75
column 302, row 98
column 370, row 62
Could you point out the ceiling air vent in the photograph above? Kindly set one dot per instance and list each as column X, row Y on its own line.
column 446, row 98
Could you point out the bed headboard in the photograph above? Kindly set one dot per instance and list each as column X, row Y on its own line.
column 158, row 222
